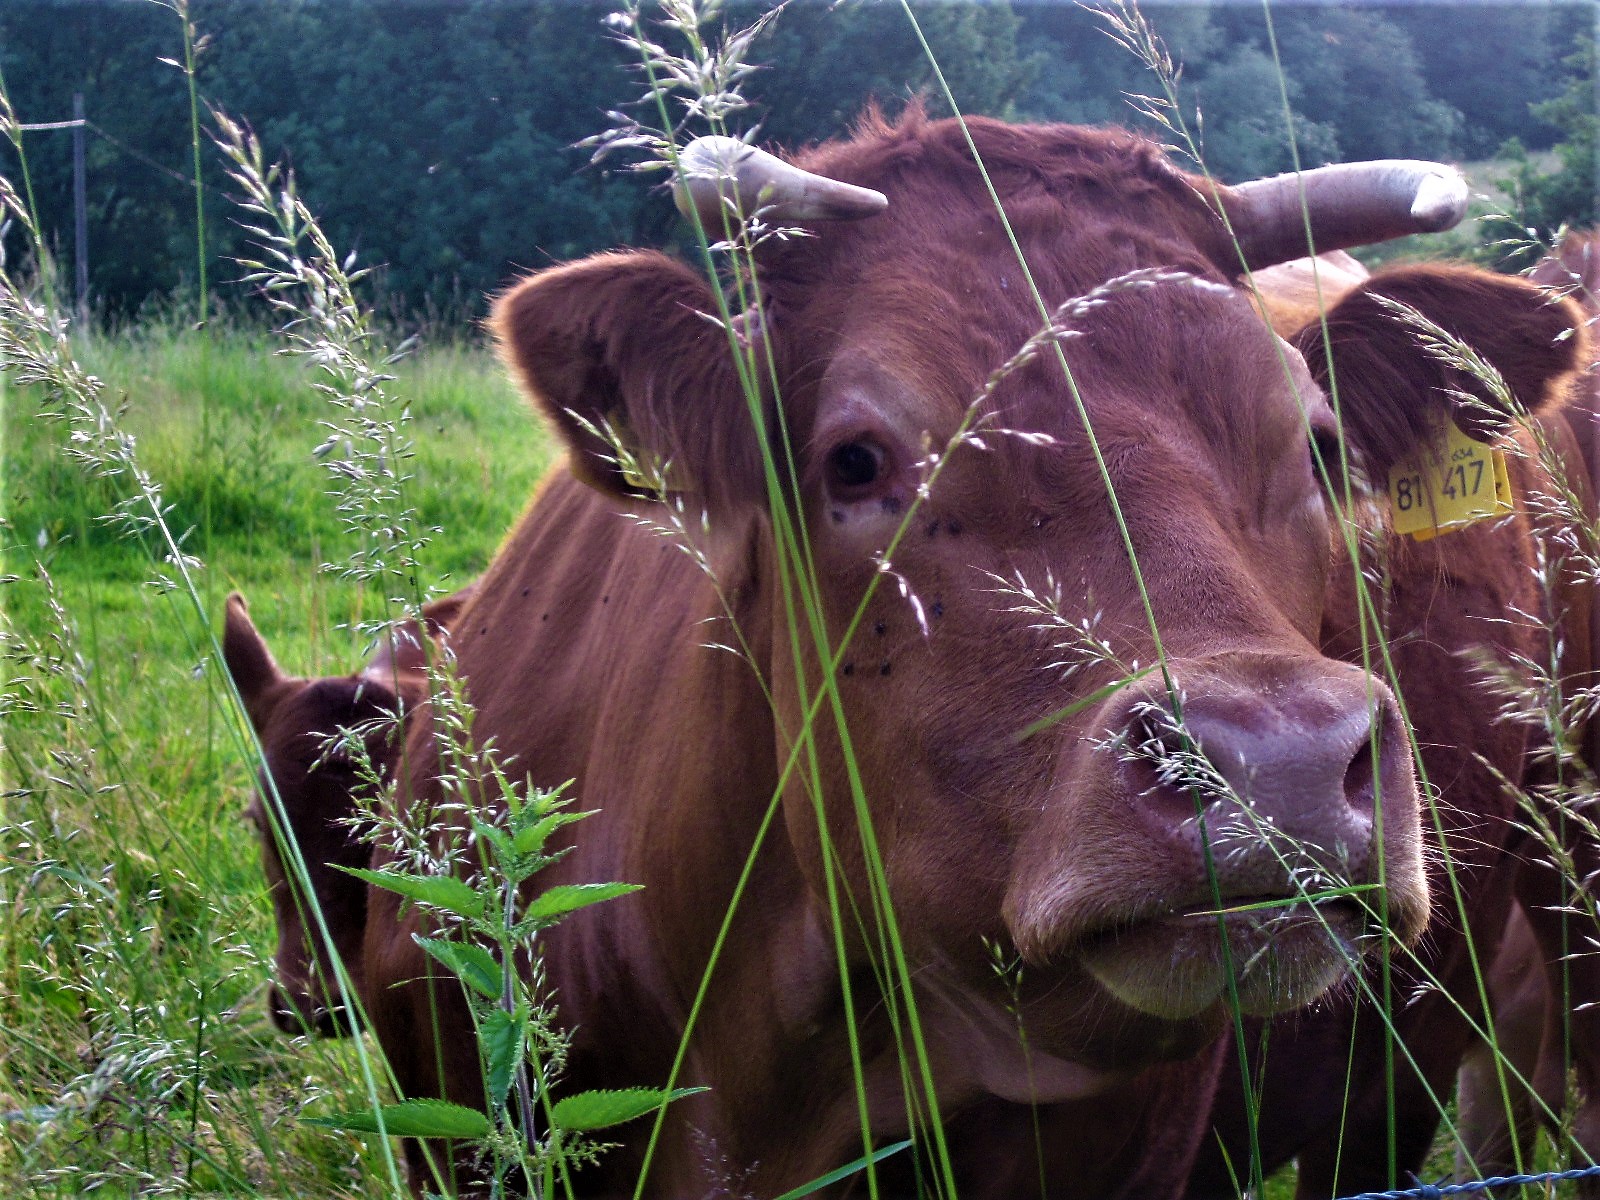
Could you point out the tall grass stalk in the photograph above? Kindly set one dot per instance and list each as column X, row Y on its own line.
column 35, row 353
column 708, row 81
column 1158, row 61
column 1130, row 28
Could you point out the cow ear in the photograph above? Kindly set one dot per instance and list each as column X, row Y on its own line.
column 244, row 652
column 440, row 615
column 1397, row 378
column 619, row 348
column 401, row 649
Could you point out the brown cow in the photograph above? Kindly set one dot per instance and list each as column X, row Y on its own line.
column 1096, row 851
column 1547, row 978
column 311, row 789
column 1328, row 1095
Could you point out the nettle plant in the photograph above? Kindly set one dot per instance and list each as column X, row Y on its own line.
column 488, row 926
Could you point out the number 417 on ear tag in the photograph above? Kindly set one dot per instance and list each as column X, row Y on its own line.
column 1461, row 482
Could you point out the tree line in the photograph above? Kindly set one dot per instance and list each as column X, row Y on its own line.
column 437, row 137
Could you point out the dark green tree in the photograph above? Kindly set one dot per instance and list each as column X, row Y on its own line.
column 436, row 136
column 1545, row 201
column 827, row 63
column 140, row 206
column 1358, row 72
column 1492, row 63
column 1242, row 125
column 1079, row 74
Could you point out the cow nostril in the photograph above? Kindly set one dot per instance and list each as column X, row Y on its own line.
column 1366, row 770
column 1144, row 731
column 1155, row 735
column 1360, row 775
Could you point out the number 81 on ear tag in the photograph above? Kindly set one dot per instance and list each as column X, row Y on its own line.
column 1464, row 481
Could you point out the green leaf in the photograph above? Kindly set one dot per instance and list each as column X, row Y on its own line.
column 844, row 1172
column 503, row 849
column 468, row 962
column 412, row 1118
column 602, row 1109
column 57, row 996
column 569, row 897
column 501, row 1036
column 436, row 891
column 533, row 837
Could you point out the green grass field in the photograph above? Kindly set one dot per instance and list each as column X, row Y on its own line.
column 135, row 945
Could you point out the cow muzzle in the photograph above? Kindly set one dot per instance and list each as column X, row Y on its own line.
column 1251, row 837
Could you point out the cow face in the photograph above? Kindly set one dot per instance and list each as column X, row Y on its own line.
column 1018, row 797
column 314, row 785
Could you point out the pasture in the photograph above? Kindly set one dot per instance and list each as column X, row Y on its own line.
column 152, row 467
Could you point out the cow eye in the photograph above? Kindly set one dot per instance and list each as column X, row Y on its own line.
column 854, row 467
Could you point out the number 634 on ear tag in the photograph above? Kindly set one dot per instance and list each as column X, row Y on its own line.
column 1461, row 482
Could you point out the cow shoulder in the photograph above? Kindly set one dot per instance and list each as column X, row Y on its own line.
column 626, row 348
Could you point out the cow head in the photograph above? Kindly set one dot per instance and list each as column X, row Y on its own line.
column 307, row 807
column 1017, row 797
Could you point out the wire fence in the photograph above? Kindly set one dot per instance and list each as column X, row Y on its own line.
column 1434, row 1191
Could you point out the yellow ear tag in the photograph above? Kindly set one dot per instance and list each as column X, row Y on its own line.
column 1463, row 482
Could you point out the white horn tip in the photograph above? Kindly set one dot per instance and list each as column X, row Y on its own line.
column 852, row 201
column 1441, row 202
column 714, row 172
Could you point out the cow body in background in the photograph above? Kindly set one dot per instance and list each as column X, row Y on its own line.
column 1293, row 296
column 1547, row 978
column 1081, row 849
column 1508, row 1090
column 1328, row 1097
column 1328, row 1094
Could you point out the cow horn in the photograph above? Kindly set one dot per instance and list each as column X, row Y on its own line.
column 1348, row 204
column 712, row 170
